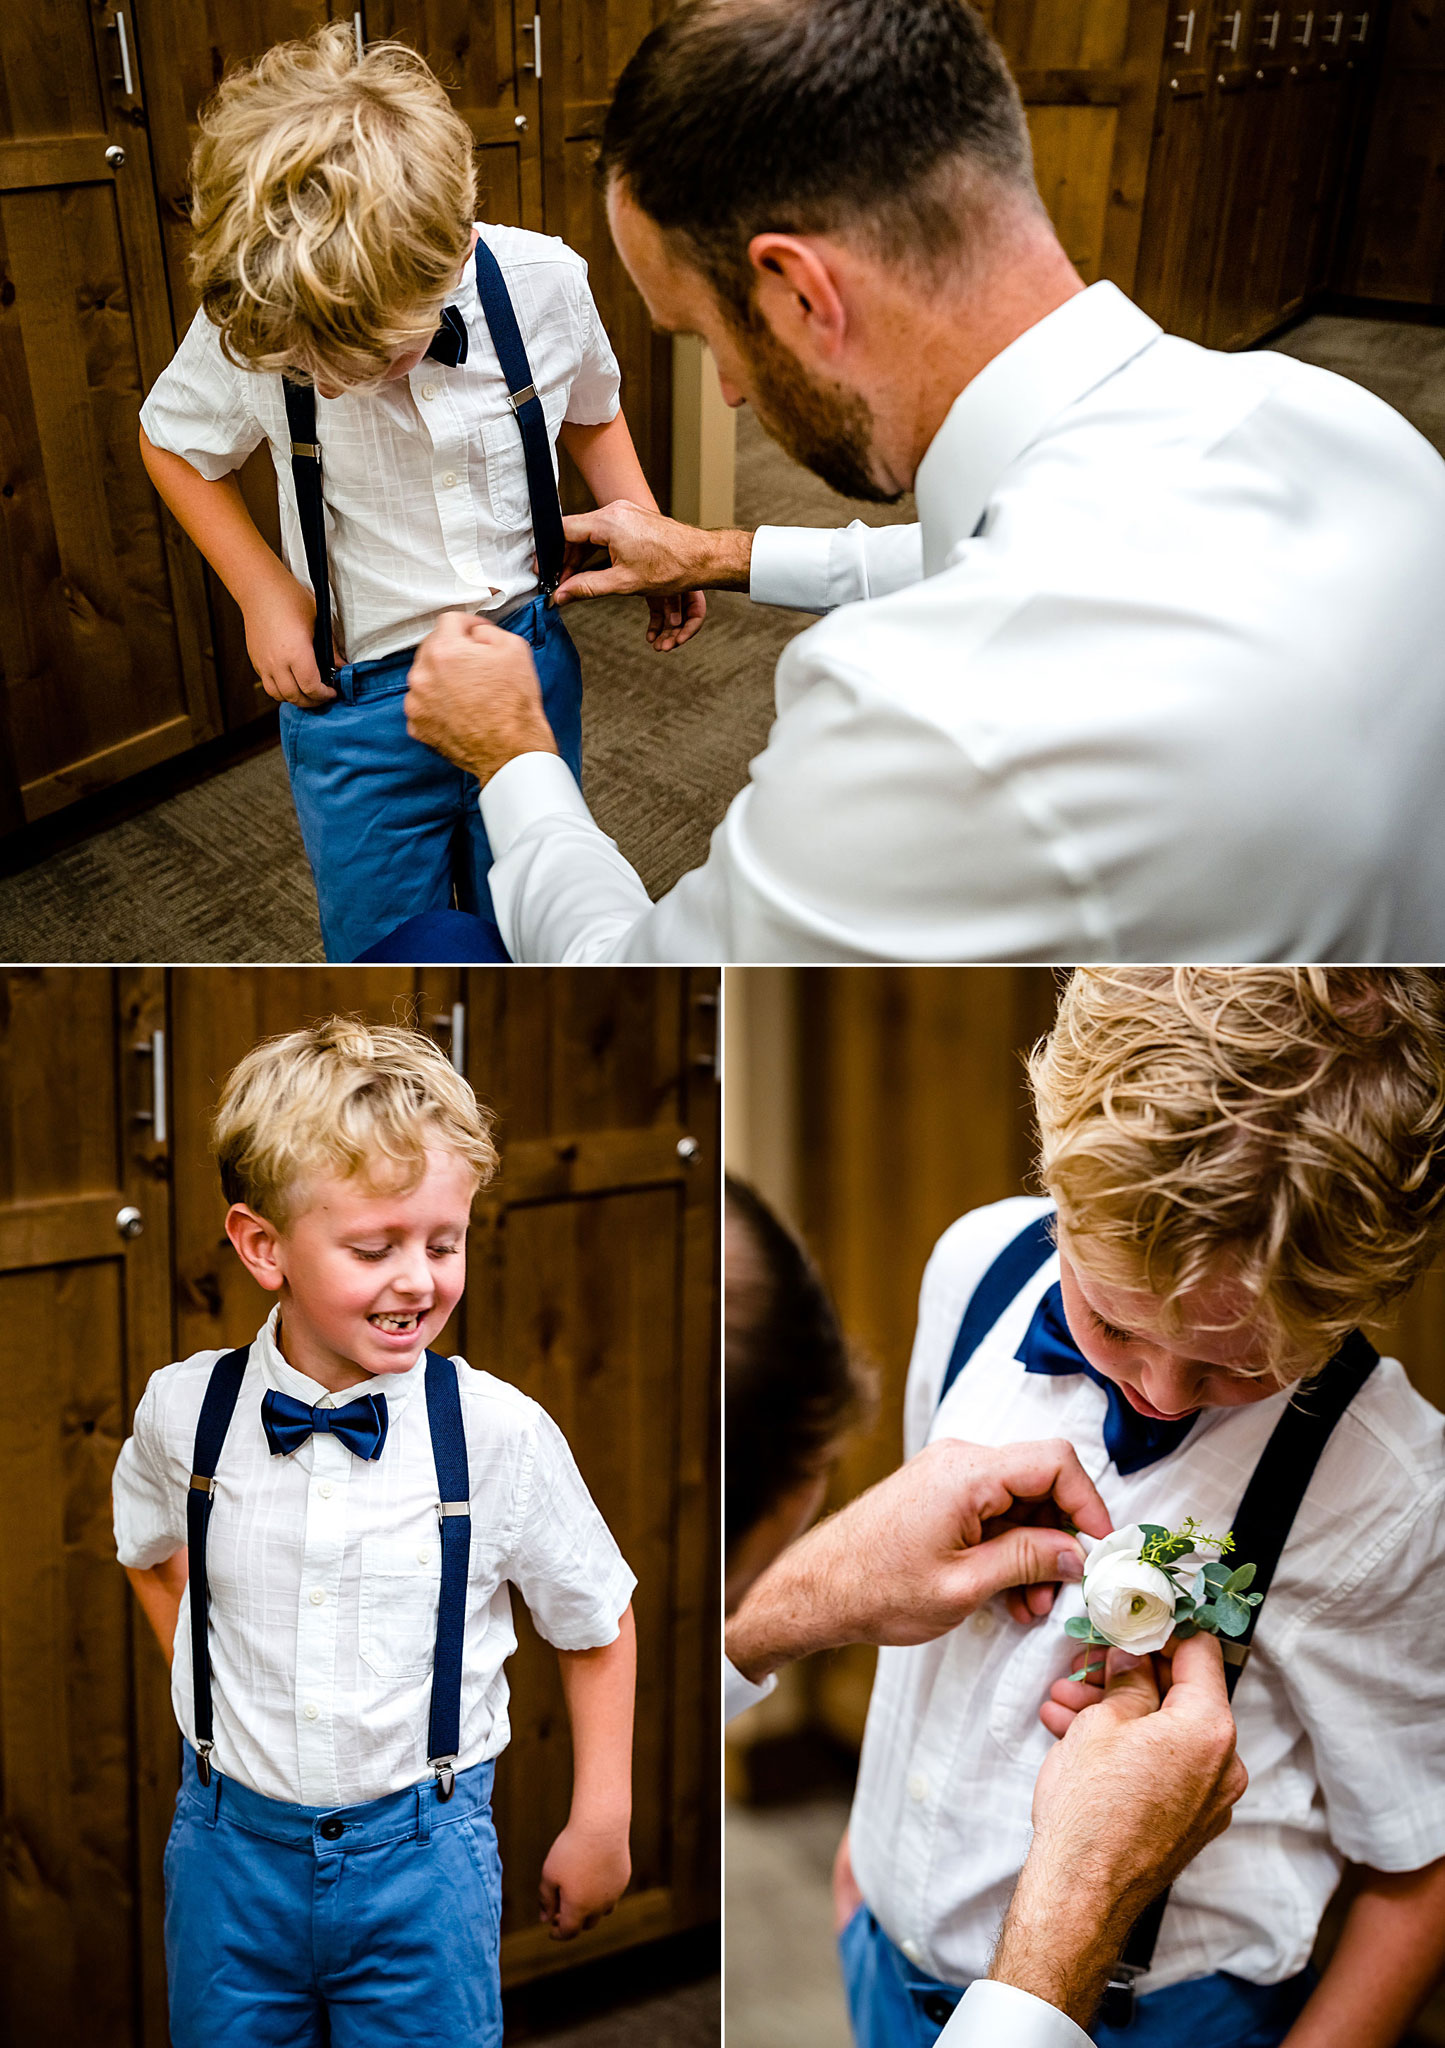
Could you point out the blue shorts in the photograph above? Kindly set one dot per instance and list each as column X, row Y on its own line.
column 893, row 2005
column 391, row 828
column 374, row 1926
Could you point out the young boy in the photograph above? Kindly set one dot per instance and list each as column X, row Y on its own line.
column 349, row 1508
column 411, row 370
column 1243, row 1164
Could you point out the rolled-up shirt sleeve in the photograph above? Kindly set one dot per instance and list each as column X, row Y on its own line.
column 200, row 407
column 147, row 1497
column 564, row 1561
column 999, row 2016
column 817, row 568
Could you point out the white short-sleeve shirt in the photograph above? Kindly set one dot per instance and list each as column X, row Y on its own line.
column 1339, row 1708
column 324, row 1572
column 425, row 482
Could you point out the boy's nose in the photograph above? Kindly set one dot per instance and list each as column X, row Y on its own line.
column 1171, row 1384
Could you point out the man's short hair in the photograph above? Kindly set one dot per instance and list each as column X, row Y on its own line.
column 348, row 1099
column 893, row 123
column 794, row 1388
column 332, row 196
column 1283, row 1125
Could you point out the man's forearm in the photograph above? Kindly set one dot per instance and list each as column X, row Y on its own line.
column 1059, row 1944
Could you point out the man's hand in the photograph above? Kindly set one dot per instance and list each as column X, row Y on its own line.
column 657, row 556
column 914, row 1555
column 280, row 620
column 473, row 695
column 1130, row 1796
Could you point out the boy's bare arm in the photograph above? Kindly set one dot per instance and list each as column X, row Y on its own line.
column 159, row 1588
column 610, row 469
column 279, row 612
column 1390, row 1954
column 589, row 1864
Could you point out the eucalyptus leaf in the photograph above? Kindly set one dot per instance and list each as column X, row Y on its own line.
column 1080, row 1626
column 1199, row 1590
column 1217, row 1572
column 1154, row 1529
column 1238, row 1580
column 1187, row 1627
column 1206, row 1616
column 1233, row 1615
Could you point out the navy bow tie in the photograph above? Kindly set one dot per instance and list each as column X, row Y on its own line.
column 1131, row 1439
column 449, row 343
column 361, row 1425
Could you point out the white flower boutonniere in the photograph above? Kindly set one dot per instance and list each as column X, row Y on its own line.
column 1146, row 1583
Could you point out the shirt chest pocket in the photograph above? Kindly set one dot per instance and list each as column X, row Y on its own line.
column 1041, row 1655
column 400, row 1578
column 506, row 461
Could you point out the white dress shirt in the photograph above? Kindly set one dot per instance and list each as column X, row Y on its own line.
column 999, row 2016
column 324, row 1572
column 427, row 507
column 1339, row 1708
column 1160, row 675
column 740, row 1693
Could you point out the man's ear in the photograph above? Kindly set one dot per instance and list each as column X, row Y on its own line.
column 258, row 1246
column 798, row 294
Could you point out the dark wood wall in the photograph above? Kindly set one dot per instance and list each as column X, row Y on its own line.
column 591, row 1286
column 118, row 649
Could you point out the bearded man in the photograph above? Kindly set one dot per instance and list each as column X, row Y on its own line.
column 1160, row 672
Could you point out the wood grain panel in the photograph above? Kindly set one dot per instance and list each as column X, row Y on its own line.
column 1073, row 154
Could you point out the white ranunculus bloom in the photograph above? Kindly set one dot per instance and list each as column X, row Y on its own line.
column 1129, row 1602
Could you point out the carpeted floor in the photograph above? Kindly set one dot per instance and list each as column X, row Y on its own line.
column 217, row 872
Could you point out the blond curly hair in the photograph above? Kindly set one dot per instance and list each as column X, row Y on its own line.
column 347, row 1098
column 1281, row 1126
column 332, row 197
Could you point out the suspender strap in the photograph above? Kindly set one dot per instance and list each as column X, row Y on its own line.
column 1261, row 1530
column 1010, row 1272
column 536, row 442
column 217, row 1408
column 310, row 507
column 449, row 1450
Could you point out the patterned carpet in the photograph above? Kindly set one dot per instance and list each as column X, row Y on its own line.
column 217, row 872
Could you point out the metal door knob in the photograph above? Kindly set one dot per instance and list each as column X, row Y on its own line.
column 129, row 1222
column 115, row 156
column 687, row 1150
column 520, row 122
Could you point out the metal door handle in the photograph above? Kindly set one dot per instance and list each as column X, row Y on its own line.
column 533, row 28
column 1273, row 20
column 155, row 1116
column 1309, row 22
column 358, row 31
column 520, row 122
column 1187, row 45
column 687, row 1150
column 1231, row 41
column 1362, row 28
column 454, row 1023
column 1336, row 34
column 127, row 75
column 129, row 1222
column 115, row 156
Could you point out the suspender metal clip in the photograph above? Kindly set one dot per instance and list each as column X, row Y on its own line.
column 203, row 1761
column 310, row 449
column 517, row 399
column 1116, row 2007
column 201, row 1484
column 452, row 1507
column 446, row 1776
column 1234, row 1653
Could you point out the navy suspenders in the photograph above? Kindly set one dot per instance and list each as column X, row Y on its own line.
column 449, row 1453
column 1261, row 1526
column 536, row 450
column 217, row 1408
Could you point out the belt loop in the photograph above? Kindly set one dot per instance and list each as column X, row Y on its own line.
column 213, row 1800
column 423, row 1812
column 343, row 681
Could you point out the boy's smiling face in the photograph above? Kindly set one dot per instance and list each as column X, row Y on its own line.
column 366, row 1279
column 1170, row 1374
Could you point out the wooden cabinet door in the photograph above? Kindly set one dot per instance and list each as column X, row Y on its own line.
column 1397, row 250
column 87, row 1741
column 1181, row 227
column 99, row 608
column 585, row 44
column 1250, row 134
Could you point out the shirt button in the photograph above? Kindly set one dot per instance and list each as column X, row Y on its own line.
column 982, row 1623
column 311, row 1711
column 318, row 1598
column 423, row 1556
column 325, row 1489
column 913, row 1952
column 449, row 477
column 918, row 1786
column 428, row 390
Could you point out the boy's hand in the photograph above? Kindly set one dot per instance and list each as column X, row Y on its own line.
column 586, row 1873
column 672, row 621
column 279, row 625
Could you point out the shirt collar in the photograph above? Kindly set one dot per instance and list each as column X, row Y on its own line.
column 1012, row 400
column 277, row 1373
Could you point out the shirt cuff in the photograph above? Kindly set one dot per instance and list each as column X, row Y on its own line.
column 790, row 567
column 993, row 2015
column 531, row 786
column 740, row 1693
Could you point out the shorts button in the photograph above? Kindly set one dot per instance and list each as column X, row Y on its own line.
column 332, row 1830
column 938, row 2009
